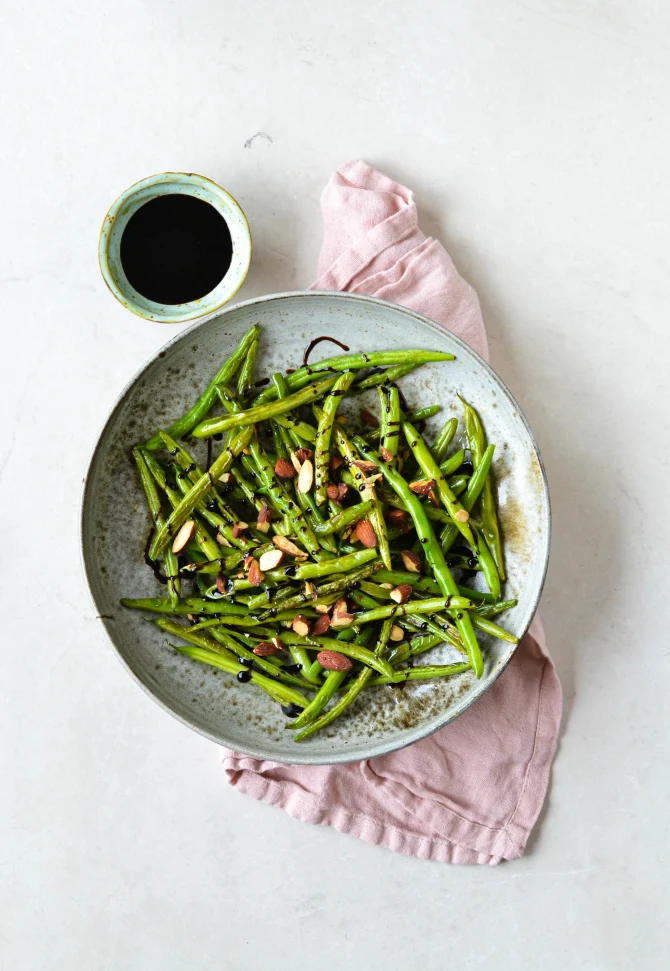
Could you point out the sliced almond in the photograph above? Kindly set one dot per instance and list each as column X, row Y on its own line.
column 334, row 661
column 368, row 418
column 239, row 528
column 422, row 486
column 246, row 450
column 342, row 490
column 306, row 476
column 284, row 469
column 399, row 518
column 333, row 492
column 461, row 515
column 341, row 616
column 401, row 593
column 271, row 559
column 301, row 625
column 386, row 586
column 256, row 575
column 296, row 462
column 277, row 643
column 222, row 541
column 183, row 536
column 335, row 462
column 365, row 534
column 310, row 590
column 322, row 608
column 397, row 633
column 288, row 547
column 264, row 519
column 320, row 625
column 432, row 497
column 302, row 454
column 266, row 649
column 226, row 478
column 412, row 561
column 386, row 455
column 366, row 466
column 221, row 583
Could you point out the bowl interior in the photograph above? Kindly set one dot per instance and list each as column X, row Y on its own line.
column 115, row 522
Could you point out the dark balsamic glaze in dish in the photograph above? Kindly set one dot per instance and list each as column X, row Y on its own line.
column 176, row 248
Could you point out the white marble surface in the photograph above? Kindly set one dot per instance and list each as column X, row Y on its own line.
column 536, row 137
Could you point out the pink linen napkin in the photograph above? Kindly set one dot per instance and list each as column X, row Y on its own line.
column 471, row 792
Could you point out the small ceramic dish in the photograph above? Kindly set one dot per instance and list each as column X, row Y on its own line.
column 115, row 522
column 142, row 192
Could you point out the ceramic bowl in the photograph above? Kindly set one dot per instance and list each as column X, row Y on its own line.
column 129, row 202
column 115, row 521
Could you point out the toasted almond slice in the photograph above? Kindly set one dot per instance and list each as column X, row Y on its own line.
column 222, row 541
column 412, row 561
column 297, row 463
column 399, row 518
column 397, row 633
column 365, row 534
column 284, row 469
column 342, row 490
column 335, row 462
column 333, row 492
column 386, row 455
column 401, row 593
column 264, row 519
column 306, row 476
column 271, row 559
column 256, row 575
column 386, row 586
column 334, row 661
column 239, row 528
column 366, row 466
column 302, row 454
column 226, row 478
column 322, row 608
column 422, row 486
column 320, row 625
column 462, row 515
column 310, row 590
column 266, row 649
column 432, row 496
column 288, row 547
column 301, row 625
column 183, row 536
column 341, row 616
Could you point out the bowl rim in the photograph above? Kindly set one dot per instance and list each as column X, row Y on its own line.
column 303, row 757
column 193, row 309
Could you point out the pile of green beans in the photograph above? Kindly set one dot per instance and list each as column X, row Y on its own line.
column 316, row 556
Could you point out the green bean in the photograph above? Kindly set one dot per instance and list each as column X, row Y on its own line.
column 183, row 426
column 488, row 566
column 332, row 682
column 324, row 431
column 367, row 493
column 431, row 470
column 246, row 375
column 453, row 463
column 424, row 413
column 262, row 664
column 426, row 673
column 389, row 409
column 383, row 377
column 492, row 610
column 350, row 694
column 154, row 504
column 482, row 623
column 346, row 362
column 477, row 443
column 433, row 552
column 324, row 591
column 451, row 602
column 347, row 517
column 443, row 440
column 251, row 416
column 282, row 693
column 302, row 429
column 196, row 494
column 284, row 503
column 475, row 486
column 352, row 650
column 187, row 605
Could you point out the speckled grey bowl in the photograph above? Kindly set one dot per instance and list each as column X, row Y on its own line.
column 115, row 522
